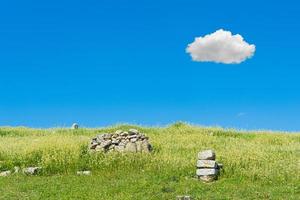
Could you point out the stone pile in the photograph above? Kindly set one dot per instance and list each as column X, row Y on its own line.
column 207, row 168
column 32, row 170
column 75, row 126
column 27, row 171
column 121, row 141
column 5, row 173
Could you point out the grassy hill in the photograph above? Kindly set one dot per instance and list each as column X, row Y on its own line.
column 257, row 165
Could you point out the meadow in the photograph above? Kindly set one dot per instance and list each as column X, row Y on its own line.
column 257, row 164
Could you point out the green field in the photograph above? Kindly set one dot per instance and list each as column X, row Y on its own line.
column 257, row 165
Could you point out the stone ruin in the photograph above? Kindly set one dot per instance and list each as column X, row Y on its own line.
column 121, row 141
column 207, row 168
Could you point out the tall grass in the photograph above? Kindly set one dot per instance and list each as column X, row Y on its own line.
column 264, row 157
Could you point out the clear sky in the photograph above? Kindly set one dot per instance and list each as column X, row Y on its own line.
column 104, row 62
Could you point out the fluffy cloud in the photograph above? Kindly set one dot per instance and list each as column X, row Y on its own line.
column 220, row 47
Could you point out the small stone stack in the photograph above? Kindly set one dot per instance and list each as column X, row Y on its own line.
column 75, row 126
column 207, row 167
column 121, row 141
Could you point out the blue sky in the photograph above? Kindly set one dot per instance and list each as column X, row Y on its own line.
column 104, row 62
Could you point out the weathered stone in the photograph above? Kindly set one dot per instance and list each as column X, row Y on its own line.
column 130, row 147
column 133, row 131
column 142, row 137
column 139, row 146
column 120, row 148
column 125, row 133
column 99, row 149
column 99, row 136
column 5, row 173
column 207, row 155
column 31, row 170
column 146, row 147
column 115, row 141
column 123, row 143
column 99, row 139
column 133, row 139
column 86, row 173
column 206, row 172
column 75, row 126
column 114, row 137
column 132, row 136
column 207, row 164
column 107, row 136
column 183, row 198
column 105, row 144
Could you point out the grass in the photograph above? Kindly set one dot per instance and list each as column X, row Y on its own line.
column 257, row 165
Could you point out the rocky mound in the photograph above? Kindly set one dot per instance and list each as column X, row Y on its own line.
column 121, row 141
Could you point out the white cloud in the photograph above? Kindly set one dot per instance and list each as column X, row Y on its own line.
column 220, row 47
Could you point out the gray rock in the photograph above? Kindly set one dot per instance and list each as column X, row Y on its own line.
column 123, row 143
column 99, row 138
column 120, row 148
column 105, row 144
column 132, row 136
column 115, row 141
column 112, row 146
column 133, row 139
column 139, row 146
column 85, row 173
column 99, row 149
column 207, row 155
column 5, row 173
column 206, row 172
column 146, row 147
column 75, row 126
column 124, row 133
column 31, row 170
column 130, row 147
column 133, row 131
column 107, row 136
column 207, row 164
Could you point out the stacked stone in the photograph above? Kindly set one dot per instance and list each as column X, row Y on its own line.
column 121, row 141
column 207, row 168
